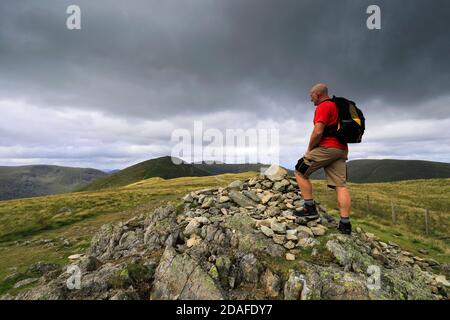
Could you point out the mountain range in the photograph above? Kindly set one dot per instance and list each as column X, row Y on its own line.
column 163, row 167
column 37, row 180
column 390, row 170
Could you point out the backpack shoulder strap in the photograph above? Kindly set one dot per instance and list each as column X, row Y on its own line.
column 331, row 130
column 331, row 99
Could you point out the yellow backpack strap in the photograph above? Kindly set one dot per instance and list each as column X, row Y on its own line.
column 354, row 114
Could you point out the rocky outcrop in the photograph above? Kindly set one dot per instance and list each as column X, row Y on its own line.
column 180, row 277
column 240, row 242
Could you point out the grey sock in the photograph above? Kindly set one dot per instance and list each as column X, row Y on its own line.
column 309, row 202
column 345, row 220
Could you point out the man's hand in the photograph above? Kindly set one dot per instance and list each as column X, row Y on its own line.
column 316, row 136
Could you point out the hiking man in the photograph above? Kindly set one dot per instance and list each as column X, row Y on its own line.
column 324, row 151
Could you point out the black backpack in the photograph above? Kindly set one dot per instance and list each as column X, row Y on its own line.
column 351, row 123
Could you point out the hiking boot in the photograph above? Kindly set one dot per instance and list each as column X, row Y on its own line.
column 308, row 213
column 345, row 228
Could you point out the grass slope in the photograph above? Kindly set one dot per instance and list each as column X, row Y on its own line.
column 410, row 199
column 38, row 180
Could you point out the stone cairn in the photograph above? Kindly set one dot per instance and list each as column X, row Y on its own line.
column 271, row 199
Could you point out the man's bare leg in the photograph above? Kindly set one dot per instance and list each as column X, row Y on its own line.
column 304, row 185
column 344, row 201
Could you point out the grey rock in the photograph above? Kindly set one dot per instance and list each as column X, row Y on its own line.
column 129, row 294
column 188, row 198
column 25, row 282
column 272, row 211
column 442, row 281
column 223, row 199
column 333, row 284
column 280, row 185
column 291, row 235
column 267, row 231
column 89, row 263
column 192, row 227
column 275, row 173
column 42, row 268
column 178, row 276
column 237, row 185
column 202, row 220
column 241, row 200
column 97, row 283
column 251, row 268
column 223, row 265
column 267, row 184
column 253, row 181
column 208, row 202
column 407, row 283
column 349, row 255
column 271, row 283
column 307, row 242
column 252, row 195
column 105, row 241
column 207, row 191
column 293, row 289
column 290, row 257
column 277, row 227
column 304, row 232
column 279, row 239
column 432, row 262
column 318, row 231
column 288, row 215
column 128, row 240
column 289, row 245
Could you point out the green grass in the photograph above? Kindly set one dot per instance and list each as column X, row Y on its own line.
column 78, row 216
column 410, row 198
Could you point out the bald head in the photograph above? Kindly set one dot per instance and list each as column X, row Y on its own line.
column 319, row 93
column 320, row 88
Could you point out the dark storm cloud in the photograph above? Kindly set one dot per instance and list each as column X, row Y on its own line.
column 111, row 94
column 153, row 59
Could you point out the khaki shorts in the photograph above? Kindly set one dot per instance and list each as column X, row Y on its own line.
column 332, row 160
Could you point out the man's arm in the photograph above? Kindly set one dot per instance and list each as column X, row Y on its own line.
column 316, row 135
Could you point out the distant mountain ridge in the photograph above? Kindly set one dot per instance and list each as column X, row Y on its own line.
column 390, row 170
column 164, row 167
column 221, row 168
column 359, row 171
column 40, row 180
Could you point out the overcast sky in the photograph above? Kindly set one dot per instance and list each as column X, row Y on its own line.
column 110, row 95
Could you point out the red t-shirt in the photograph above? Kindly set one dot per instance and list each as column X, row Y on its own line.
column 327, row 113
